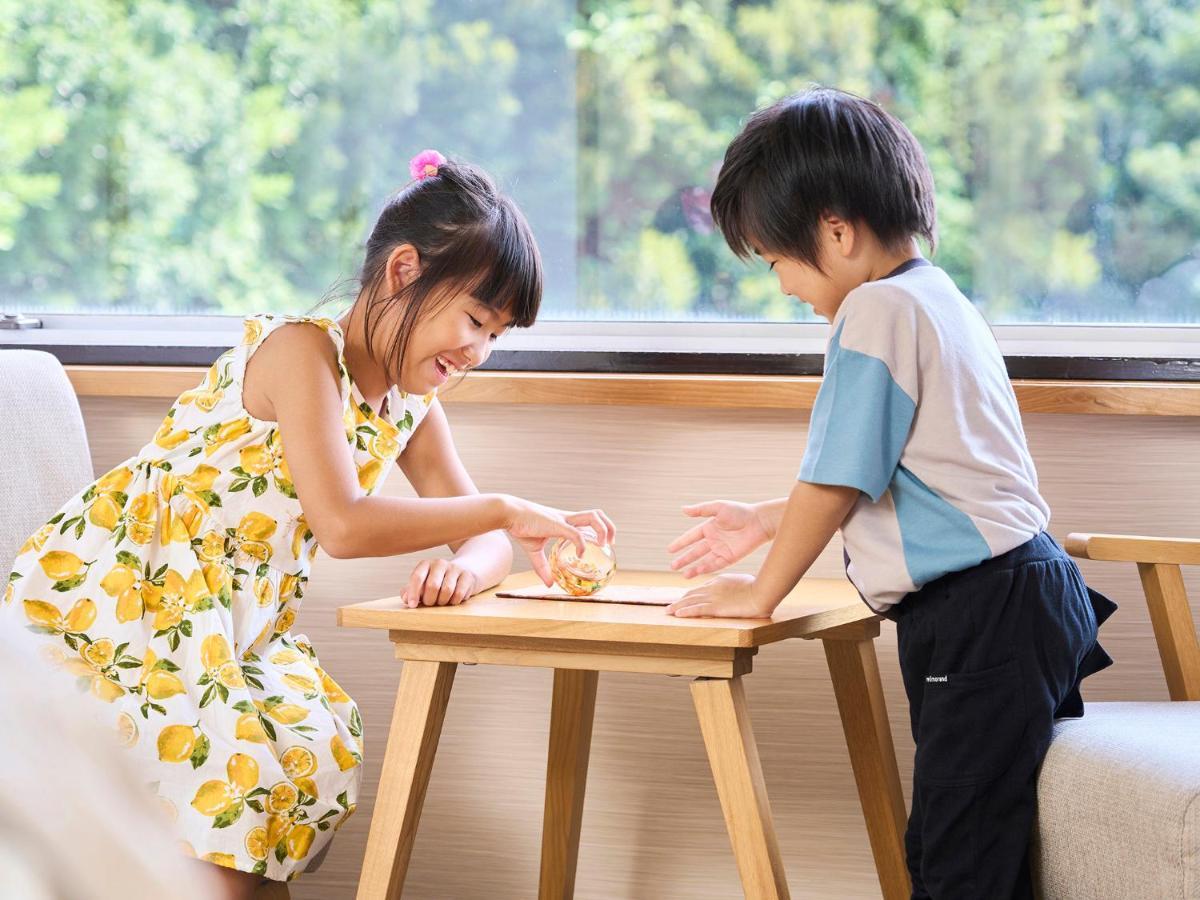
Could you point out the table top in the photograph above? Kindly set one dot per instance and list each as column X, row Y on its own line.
column 814, row 606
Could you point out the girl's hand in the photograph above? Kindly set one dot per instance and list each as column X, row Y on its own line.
column 726, row 596
column 533, row 526
column 731, row 532
column 439, row 582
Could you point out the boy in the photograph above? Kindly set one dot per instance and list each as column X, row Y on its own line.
column 917, row 455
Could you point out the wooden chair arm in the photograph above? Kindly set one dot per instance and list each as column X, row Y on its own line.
column 1158, row 561
column 1135, row 548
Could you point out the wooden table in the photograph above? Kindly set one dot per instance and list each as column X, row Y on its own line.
column 581, row 639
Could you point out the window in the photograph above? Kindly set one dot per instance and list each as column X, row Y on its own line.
column 188, row 157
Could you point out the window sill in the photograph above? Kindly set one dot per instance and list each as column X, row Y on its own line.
column 1092, row 397
column 1060, row 352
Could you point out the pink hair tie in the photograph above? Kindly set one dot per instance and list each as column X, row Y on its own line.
column 426, row 164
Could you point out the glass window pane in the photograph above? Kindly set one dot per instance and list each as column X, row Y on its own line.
column 206, row 157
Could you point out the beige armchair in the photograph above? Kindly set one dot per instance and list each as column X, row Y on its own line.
column 44, row 460
column 1119, row 791
column 44, row 455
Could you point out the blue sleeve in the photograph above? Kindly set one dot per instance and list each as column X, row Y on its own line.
column 860, row 424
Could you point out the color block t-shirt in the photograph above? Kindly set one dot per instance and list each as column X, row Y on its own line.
column 917, row 412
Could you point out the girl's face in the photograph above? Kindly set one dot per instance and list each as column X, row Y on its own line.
column 456, row 337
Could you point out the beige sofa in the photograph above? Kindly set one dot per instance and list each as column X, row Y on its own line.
column 1119, row 791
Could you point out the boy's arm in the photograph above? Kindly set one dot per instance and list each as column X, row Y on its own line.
column 771, row 513
column 812, row 514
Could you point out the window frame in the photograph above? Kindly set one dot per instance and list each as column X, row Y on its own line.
column 1117, row 352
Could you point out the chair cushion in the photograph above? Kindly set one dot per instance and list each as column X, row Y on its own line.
column 1119, row 804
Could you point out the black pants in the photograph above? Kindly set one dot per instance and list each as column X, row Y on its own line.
column 991, row 656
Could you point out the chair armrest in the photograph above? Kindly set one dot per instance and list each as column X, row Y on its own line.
column 1158, row 561
column 1135, row 548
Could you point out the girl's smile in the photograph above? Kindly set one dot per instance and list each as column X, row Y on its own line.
column 458, row 337
column 446, row 369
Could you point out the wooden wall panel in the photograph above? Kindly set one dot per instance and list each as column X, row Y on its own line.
column 652, row 827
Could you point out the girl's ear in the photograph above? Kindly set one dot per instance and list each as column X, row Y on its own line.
column 403, row 267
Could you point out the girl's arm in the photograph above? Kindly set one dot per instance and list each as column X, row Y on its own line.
column 292, row 379
column 434, row 469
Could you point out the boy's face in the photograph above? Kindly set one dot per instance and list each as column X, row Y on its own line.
column 807, row 284
column 848, row 255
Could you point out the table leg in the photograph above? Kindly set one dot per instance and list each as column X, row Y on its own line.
column 733, row 755
column 412, row 742
column 854, row 671
column 571, row 717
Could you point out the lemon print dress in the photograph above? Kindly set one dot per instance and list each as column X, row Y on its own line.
column 168, row 588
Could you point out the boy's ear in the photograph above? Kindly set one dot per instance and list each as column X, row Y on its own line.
column 840, row 233
column 403, row 266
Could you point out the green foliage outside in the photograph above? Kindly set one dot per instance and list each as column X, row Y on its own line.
column 230, row 156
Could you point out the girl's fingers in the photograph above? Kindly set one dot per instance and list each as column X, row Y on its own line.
column 708, row 508
column 416, row 584
column 449, row 583
column 538, row 559
column 574, row 535
column 433, row 583
column 612, row 528
column 438, row 582
column 693, row 534
column 693, row 553
column 584, row 520
column 599, row 526
column 463, row 588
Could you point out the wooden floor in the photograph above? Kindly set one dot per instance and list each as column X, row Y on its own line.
column 652, row 826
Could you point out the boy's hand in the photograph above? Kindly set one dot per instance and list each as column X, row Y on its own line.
column 726, row 596
column 439, row 582
column 731, row 532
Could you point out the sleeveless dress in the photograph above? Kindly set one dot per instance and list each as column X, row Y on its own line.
column 168, row 588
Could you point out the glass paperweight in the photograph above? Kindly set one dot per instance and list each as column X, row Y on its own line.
column 579, row 575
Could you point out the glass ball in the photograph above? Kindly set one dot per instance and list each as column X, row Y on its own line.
column 579, row 575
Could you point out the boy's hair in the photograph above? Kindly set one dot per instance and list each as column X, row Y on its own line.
column 470, row 237
column 822, row 151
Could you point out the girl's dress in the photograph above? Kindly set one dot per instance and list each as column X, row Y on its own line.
column 168, row 588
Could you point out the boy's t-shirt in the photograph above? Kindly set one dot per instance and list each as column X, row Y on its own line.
column 916, row 411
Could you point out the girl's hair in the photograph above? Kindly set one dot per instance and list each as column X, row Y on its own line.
column 822, row 151
column 471, row 238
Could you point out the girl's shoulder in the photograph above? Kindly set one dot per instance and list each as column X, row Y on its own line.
column 256, row 329
column 220, row 398
column 292, row 347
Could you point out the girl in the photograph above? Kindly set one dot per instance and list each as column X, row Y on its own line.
column 168, row 588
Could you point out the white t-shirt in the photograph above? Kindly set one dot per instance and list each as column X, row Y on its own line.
column 916, row 411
